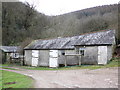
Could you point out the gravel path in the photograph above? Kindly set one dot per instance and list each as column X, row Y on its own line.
column 83, row 78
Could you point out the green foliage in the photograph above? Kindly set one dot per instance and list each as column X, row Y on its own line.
column 21, row 21
column 21, row 81
column 95, row 24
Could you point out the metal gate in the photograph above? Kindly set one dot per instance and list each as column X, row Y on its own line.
column 102, row 54
column 35, row 56
column 53, row 59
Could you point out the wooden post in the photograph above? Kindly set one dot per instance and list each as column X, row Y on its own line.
column 65, row 61
column 79, row 57
column 23, row 59
column 8, row 58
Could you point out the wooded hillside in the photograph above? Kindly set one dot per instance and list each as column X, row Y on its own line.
column 21, row 21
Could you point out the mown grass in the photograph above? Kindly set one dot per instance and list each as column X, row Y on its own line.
column 9, row 65
column 0, row 79
column 14, row 80
column 115, row 62
column 9, row 68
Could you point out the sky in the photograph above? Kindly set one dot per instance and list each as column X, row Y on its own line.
column 57, row 7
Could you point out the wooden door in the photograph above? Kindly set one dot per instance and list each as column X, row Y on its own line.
column 35, row 56
column 53, row 59
column 102, row 54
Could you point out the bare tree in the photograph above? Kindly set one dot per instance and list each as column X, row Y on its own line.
column 26, row 42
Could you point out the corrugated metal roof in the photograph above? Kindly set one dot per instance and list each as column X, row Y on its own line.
column 9, row 48
column 98, row 38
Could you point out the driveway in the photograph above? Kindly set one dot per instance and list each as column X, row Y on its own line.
column 83, row 78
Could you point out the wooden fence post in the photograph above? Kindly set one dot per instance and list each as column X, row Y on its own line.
column 79, row 57
column 65, row 61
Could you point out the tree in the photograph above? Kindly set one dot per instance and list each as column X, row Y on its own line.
column 26, row 42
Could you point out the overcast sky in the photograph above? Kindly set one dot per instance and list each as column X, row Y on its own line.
column 57, row 7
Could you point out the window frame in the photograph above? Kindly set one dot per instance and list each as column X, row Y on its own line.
column 82, row 51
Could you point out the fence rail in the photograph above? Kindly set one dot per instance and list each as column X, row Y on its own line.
column 78, row 55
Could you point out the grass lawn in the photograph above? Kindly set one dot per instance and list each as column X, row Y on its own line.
column 0, row 79
column 14, row 80
column 9, row 68
column 114, row 63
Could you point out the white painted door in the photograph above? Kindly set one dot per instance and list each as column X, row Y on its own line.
column 53, row 59
column 102, row 54
column 35, row 56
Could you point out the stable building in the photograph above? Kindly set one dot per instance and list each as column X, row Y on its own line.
column 92, row 48
column 9, row 53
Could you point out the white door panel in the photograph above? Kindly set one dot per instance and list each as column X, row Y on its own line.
column 35, row 56
column 53, row 62
column 35, row 53
column 34, row 61
column 102, row 55
column 53, row 59
column 53, row 53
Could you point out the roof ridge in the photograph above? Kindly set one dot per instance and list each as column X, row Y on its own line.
column 60, row 43
column 96, row 32
column 75, row 35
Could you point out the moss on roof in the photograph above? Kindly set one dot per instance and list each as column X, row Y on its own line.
column 98, row 38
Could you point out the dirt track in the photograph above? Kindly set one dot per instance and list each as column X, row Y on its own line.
column 84, row 78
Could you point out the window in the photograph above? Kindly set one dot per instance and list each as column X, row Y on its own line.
column 15, row 54
column 82, row 51
column 62, row 52
column 77, row 50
